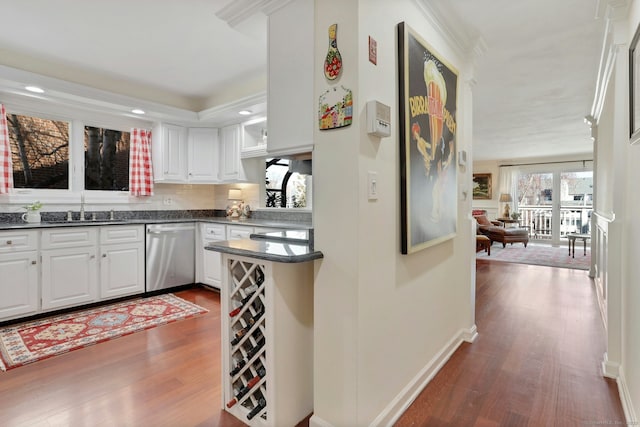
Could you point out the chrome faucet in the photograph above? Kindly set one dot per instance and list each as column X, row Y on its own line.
column 82, row 206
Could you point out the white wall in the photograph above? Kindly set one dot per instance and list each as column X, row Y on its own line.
column 382, row 319
column 491, row 206
column 631, row 250
column 617, row 198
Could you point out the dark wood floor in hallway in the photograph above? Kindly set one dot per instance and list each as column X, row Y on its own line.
column 536, row 361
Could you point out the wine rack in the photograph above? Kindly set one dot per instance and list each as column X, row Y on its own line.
column 267, row 340
column 247, row 363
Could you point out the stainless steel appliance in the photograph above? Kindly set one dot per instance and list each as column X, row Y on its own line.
column 170, row 255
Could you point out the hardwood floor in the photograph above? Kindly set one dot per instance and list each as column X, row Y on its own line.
column 536, row 362
column 165, row 376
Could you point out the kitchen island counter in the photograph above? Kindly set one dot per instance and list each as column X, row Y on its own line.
column 275, row 247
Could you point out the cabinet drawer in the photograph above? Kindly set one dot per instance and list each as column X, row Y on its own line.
column 238, row 232
column 69, row 237
column 123, row 234
column 213, row 232
column 15, row 241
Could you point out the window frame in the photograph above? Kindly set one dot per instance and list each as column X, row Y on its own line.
column 77, row 120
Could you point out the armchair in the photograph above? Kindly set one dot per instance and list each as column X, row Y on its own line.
column 498, row 233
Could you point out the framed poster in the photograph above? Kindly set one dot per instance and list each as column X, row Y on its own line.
column 482, row 186
column 428, row 180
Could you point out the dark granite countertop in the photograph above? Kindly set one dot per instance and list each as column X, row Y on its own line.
column 290, row 246
column 219, row 220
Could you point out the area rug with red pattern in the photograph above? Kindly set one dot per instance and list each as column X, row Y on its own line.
column 539, row 254
column 36, row 340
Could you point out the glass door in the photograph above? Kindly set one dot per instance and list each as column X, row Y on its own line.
column 553, row 204
column 535, row 204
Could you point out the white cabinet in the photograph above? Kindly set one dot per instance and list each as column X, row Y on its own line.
column 121, row 261
column 230, row 164
column 69, row 267
column 182, row 155
column 291, row 108
column 202, row 156
column 209, row 263
column 254, row 138
column 169, row 153
column 238, row 232
column 19, row 273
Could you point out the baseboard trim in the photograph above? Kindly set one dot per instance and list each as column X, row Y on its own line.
column 410, row 392
column 625, row 399
column 610, row 369
column 316, row 421
column 614, row 371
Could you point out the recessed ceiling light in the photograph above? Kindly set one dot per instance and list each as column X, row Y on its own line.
column 244, row 112
column 34, row 89
column 137, row 111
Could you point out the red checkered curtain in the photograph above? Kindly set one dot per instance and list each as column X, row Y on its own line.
column 6, row 167
column 140, row 169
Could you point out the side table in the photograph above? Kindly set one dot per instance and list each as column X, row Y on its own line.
column 572, row 242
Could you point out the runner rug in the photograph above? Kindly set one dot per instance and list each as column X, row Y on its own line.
column 538, row 255
column 29, row 342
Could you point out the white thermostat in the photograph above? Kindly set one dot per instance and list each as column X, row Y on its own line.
column 378, row 119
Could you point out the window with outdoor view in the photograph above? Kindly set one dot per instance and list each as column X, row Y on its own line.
column 39, row 152
column 106, row 159
column 285, row 189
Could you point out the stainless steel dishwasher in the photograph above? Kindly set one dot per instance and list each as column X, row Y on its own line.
column 170, row 255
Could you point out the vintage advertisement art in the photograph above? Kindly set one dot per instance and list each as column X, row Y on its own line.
column 428, row 92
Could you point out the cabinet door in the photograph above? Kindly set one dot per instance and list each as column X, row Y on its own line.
column 230, row 167
column 212, row 268
column 203, row 155
column 121, row 270
column 291, row 113
column 69, row 277
column 19, row 284
column 173, row 154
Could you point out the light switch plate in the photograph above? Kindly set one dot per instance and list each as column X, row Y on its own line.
column 372, row 185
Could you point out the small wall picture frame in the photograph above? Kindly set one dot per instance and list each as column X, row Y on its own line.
column 482, row 186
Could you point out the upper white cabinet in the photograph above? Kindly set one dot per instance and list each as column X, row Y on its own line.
column 290, row 104
column 202, row 155
column 185, row 155
column 169, row 153
column 230, row 165
column 233, row 168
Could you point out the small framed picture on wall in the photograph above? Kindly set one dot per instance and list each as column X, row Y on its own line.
column 482, row 186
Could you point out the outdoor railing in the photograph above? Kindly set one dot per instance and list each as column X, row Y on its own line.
column 573, row 219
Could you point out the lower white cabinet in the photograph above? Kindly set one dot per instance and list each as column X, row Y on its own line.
column 69, row 277
column 63, row 270
column 209, row 263
column 121, row 261
column 19, row 284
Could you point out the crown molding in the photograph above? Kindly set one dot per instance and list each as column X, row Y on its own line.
column 448, row 24
column 238, row 11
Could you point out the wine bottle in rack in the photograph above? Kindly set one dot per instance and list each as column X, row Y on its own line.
column 242, row 332
column 238, row 366
column 259, row 407
column 244, row 390
column 251, row 290
column 252, row 352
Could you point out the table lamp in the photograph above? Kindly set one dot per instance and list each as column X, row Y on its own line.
column 505, row 198
column 235, row 196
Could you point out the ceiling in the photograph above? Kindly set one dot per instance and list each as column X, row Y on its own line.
column 535, row 79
